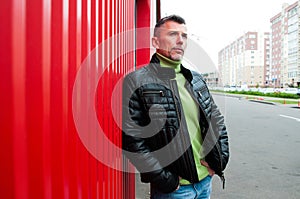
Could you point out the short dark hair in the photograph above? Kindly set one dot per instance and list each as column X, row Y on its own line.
column 163, row 20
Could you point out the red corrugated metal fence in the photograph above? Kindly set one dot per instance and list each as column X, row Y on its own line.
column 43, row 44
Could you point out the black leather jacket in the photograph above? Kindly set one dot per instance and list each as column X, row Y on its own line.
column 155, row 136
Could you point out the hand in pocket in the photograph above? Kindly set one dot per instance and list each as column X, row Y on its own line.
column 210, row 171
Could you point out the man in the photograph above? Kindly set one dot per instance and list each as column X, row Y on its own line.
column 173, row 132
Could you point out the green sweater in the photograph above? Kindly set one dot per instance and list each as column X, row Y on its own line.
column 191, row 113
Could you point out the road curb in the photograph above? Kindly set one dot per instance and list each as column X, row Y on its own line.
column 263, row 102
column 227, row 95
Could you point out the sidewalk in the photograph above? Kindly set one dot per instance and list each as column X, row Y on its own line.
column 142, row 190
column 263, row 99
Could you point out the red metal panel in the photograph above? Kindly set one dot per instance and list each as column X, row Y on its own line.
column 56, row 97
column 34, row 97
column 6, row 102
column 46, row 79
column 74, row 144
column 143, row 16
column 129, row 178
column 20, row 154
column 43, row 44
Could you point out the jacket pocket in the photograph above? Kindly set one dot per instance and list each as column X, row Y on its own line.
column 153, row 93
column 154, row 97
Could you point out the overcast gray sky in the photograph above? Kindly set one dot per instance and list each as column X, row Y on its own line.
column 219, row 22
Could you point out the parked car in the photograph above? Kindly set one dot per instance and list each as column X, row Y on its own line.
column 230, row 88
column 267, row 90
column 254, row 89
column 292, row 91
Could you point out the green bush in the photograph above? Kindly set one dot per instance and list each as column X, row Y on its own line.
column 280, row 95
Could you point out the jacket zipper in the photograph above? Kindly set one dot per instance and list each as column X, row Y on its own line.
column 221, row 164
column 176, row 107
column 218, row 147
column 161, row 93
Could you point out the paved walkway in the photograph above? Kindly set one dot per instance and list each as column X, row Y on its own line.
column 263, row 99
column 142, row 190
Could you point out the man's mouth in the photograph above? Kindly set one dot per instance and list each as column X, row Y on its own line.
column 178, row 50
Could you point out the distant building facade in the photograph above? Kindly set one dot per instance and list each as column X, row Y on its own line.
column 211, row 79
column 285, row 51
column 245, row 61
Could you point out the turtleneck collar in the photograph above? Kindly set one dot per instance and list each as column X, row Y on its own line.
column 169, row 63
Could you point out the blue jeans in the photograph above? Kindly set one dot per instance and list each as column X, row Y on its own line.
column 200, row 190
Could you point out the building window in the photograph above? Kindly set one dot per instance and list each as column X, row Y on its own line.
column 252, row 36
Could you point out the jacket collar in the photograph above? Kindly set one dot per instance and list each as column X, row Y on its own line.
column 167, row 73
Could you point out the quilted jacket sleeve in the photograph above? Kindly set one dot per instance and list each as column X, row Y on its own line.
column 134, row 121
column 219, row 128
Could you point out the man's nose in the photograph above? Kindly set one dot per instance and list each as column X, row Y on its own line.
column 180, row 39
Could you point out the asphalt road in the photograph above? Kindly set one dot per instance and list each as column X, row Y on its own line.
column 264, row 146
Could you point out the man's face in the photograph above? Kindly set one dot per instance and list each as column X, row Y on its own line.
column 171, row 40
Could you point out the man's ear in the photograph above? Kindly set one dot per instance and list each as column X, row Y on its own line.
column 155, row 42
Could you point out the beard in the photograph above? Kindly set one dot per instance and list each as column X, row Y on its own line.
column 175, row 54
column 176, row 57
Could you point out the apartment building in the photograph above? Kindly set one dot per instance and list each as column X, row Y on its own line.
column 245, row 61
column 285, row 52
column 211, row 79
